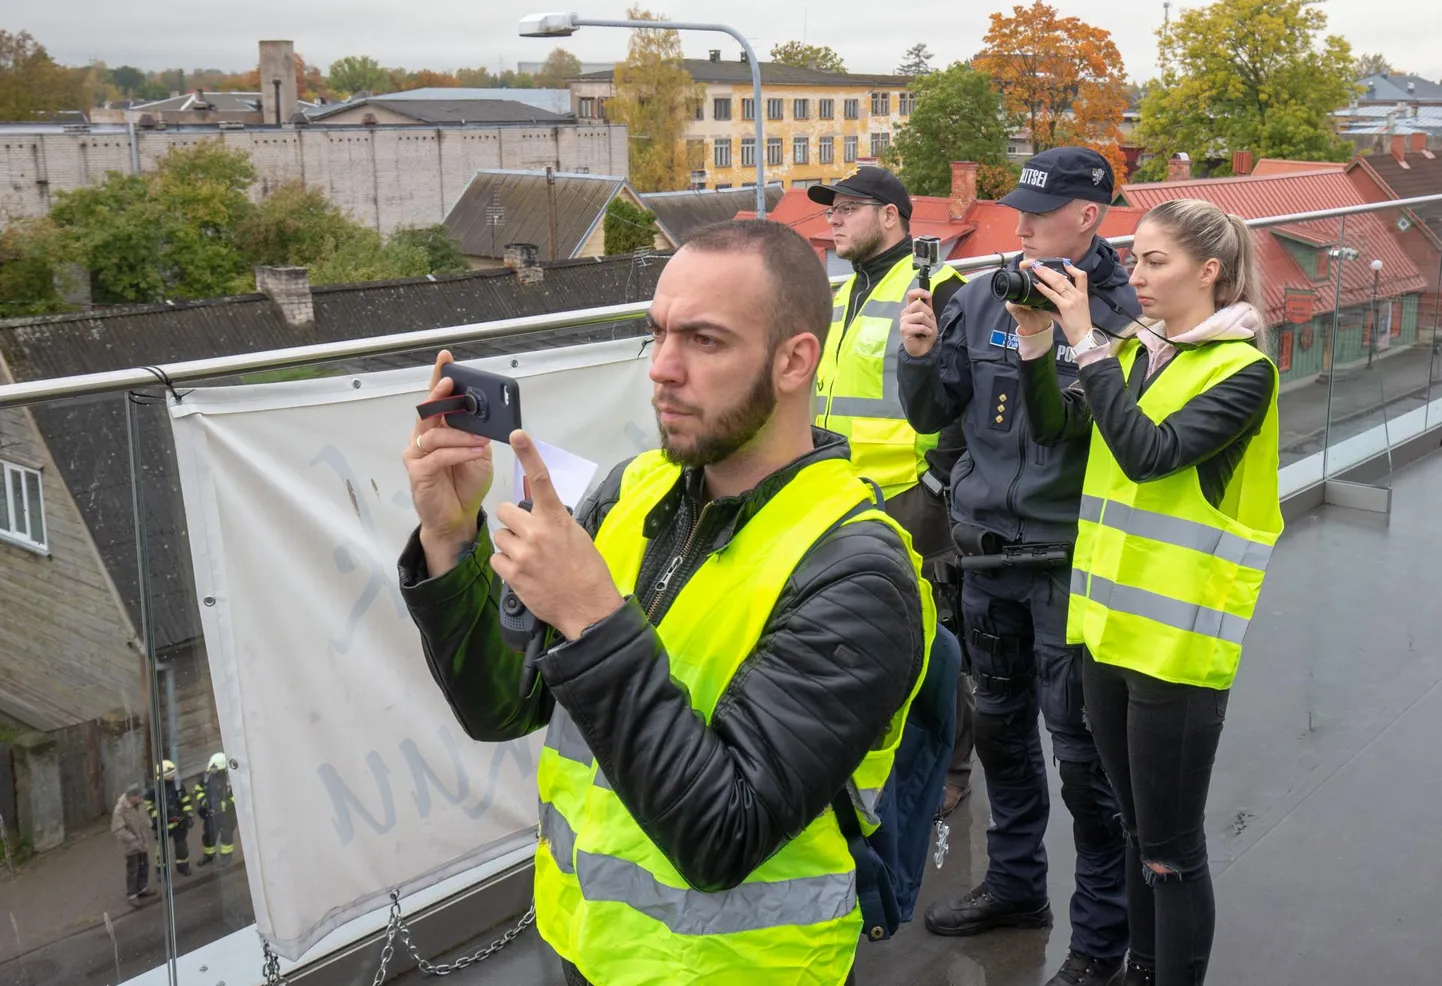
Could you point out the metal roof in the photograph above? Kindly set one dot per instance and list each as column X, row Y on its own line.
column 772, row 74
column 682, row 212
column 1394, row 89
column 1253, row 197
column 451, row 110
column 89, row 442
column 500, row 207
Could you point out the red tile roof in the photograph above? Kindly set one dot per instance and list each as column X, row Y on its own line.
column 1254, row 197
column 1281, row 166
column 929, row 217
column 996, row 227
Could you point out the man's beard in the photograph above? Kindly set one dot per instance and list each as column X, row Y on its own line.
column 863, row 248
column 733, row 429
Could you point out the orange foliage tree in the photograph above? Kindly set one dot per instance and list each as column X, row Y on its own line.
column 1061, row 75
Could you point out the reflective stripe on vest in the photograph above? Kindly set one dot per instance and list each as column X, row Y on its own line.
column 858, row 393
column 1164, row 582
column 607, row 899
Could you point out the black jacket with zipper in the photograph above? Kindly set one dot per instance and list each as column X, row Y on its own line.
column 835, row 661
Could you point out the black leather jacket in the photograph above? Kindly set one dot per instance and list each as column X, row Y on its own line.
column 836, row 659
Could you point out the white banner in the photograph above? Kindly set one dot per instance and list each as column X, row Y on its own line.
column 354, row 777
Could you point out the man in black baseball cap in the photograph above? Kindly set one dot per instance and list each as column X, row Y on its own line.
column 876, row 184
column 1014, row 512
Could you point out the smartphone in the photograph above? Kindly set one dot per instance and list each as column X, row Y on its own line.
column 491, row 403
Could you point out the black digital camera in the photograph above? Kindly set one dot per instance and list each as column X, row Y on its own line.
column 925, row 257
column 1019, row 286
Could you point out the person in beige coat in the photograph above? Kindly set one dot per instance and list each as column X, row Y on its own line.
column 131, row 828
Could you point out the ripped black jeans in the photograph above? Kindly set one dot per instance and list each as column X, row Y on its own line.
column 1157, row 741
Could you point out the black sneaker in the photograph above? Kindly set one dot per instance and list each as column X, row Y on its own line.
column 1139, row 975
column 978, row 911
column 1083, row 970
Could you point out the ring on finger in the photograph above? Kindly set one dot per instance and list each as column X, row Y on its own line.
column 420, row 447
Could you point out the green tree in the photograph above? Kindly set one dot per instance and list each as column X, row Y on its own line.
column 27, row 271
column 628, row 227
column 655, row 99
column 1253, row 75
column 559, row 66
column 958, row 117
column 355, row 73
column 800, row 55
column 32, row 85
column 511, row 79
column 443, row 253
column 127, row 79
column 916, row 61
column 366, row 257
column 475, row 78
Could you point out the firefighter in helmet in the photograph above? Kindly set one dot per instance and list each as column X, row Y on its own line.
column 216, row 806
column 177, row 811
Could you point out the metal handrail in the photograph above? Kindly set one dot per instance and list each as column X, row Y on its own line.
column 192, row 371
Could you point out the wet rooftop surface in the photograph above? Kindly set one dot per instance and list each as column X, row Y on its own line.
column 1325, row 817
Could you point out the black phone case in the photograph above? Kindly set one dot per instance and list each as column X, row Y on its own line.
column 497, row 402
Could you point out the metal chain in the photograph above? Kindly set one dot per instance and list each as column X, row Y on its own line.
column 396, row 925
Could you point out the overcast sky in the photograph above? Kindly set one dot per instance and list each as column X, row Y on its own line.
column 449, row 34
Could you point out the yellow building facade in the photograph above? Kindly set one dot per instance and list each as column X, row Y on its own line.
column 818, row 126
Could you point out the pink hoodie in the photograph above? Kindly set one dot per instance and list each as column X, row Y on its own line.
column 1239, row 321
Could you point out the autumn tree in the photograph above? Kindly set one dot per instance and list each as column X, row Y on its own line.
column 916, row 61
column 559, row 66
column 32, row 85
column 800, row 55
column 127, row 79
column 475, row 78
column 429, row 78
column 1374, row 63
column 355, row 73
column 1254, row 75
column 959, row 116
column 1062, row 76
column 655, row 98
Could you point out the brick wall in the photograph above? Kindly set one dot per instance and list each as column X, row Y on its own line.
column 386, row 177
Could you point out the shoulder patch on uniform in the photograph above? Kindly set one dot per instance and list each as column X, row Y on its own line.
column 1003, row 339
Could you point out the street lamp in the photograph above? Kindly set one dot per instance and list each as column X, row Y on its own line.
column 565, row 25
column 1376, row 266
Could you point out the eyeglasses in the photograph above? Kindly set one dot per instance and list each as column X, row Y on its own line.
column 848, row 208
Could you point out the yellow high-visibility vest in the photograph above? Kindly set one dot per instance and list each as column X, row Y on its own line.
column 1163, row 582
column 857, row 391
column 607, row 899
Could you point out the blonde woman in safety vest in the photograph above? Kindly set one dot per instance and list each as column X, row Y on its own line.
column 1179, row 514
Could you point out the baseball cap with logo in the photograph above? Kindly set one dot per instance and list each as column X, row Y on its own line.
column 1053, row 178
column 866, row 182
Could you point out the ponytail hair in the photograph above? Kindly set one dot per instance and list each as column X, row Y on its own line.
column 1205, row 232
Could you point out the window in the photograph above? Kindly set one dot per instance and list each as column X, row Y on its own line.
column 587, row 110
column 748, row 109
column 721, row 109
column 22, row 511
column 774, row 108
column 801, row 109
column 601, row 107
column 848, row 150
column 700, row 109
column 722, row 155
column 906, row 103
column 748, row 152
column 881, row 104
column 851, row 109
column 825, row 150
column 774, row 151
column 1012, row 150
column 801, row 150
column 696, row 155
column 721, row 186
column 826, row 109
column 879, row 144
column 805, row 182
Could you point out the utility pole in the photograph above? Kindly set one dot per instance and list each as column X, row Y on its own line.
column 551, row 207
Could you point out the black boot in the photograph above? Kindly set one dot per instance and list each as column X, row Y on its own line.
column 1083, row 970
column 1139, row 975
column 184, row 867
column 206, row 860
column 978, row 911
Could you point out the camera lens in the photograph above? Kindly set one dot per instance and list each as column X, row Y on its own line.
column 1017, row 287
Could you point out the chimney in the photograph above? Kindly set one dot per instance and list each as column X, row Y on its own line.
column 1411, row 87
column 963, row 189
column 1242, row 163
column 289, row 289
column 1418, row 142
column 277, row 64
column 744, row 59
column 523, row 258
column 715, row 54
column 1179, row 167
column 1399, row 147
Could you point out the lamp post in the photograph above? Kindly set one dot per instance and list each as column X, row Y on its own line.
column 1376, row 266
column 564, row 25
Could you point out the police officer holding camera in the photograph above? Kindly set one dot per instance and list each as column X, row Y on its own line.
column 870, row 216
column 1014, row 518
